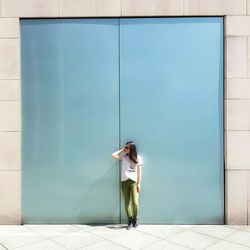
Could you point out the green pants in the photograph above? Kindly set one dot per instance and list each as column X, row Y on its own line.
column 129, row 188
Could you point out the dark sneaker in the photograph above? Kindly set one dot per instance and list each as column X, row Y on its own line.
column 130, row 225
column 135, row 223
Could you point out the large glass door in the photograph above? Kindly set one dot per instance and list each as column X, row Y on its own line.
column 70, row 121
column 172, row 106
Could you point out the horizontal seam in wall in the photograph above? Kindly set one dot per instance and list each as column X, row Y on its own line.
column 237, row 169
column 238, row 36
column 223, row 14
column 10, row 170
column 11, row 37
column 10, row 131
column 124, row 16
column 243, row 77
column 237, row 130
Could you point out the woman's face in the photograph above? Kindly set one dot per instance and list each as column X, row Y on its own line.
column 126, row 148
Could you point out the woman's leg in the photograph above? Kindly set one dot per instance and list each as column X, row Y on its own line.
column 126, row 194
column 135, row 199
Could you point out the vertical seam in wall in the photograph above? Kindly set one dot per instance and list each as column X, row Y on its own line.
column 247, row 126
column 247, row 59
column 183, row 7
column 121, row 11
column 247, row 195
column 59, row 9
column 119, row 115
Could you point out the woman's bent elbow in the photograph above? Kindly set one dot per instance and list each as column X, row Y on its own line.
column 116, row 157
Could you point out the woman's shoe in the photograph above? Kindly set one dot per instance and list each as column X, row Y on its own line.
column 130, row 225
column 135, row 223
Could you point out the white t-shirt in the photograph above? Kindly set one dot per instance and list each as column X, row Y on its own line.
column 129, row 169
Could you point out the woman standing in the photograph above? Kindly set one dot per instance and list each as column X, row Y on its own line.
column 130, row 180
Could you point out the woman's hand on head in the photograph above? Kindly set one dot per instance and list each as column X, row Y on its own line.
column 123, row 150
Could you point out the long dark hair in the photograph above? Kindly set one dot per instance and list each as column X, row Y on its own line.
column 132, row 151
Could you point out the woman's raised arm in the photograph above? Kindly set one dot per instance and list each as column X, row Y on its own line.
column 116, row 154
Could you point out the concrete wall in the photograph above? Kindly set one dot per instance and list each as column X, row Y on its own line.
column 237, row 86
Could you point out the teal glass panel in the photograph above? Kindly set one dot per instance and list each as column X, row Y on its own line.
column 70, row 120
column 86, row 83
column 171, row 105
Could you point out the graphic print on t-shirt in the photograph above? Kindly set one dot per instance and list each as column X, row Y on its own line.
column 132, row 166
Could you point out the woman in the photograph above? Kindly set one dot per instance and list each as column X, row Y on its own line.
column 130, row 180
